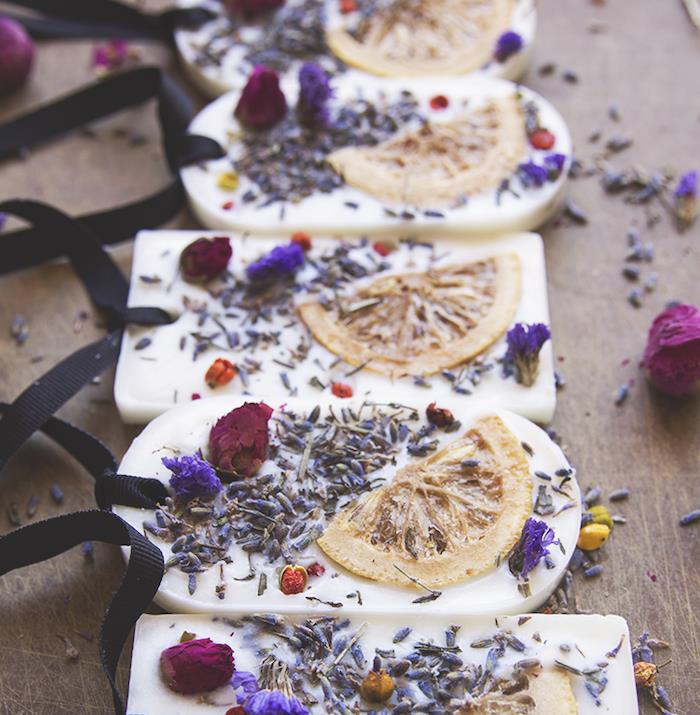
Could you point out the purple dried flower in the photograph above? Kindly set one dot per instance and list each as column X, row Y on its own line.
column 687, row 185
column 554, row 163
column 110, row 55
column 246, row 681
column 533, row 546
column 273, row 702
column 280, row 262
column 262, row 102
column 686, row 200
column 314, row 92
column 532, row 175
column 507, row 45
column 192, row 477
column 523, row 355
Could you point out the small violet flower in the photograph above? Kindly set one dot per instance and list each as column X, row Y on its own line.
column 507, row 45
column 262, row 102
column 533, row 546
column 532, row 174
column 280, row 262
column 197, row 666
column 672, row 355
column 246, row 681
column 523, row 355
column 273, row 702
column 110, row 55
column 192, row 477
column 251, row 9
column 554, row 163
column 205, row 259
column 314, row 93
column 686, row 199
column 687, row 185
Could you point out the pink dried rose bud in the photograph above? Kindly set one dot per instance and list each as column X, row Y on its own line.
column 197, row 666
column 251, row 9
column 239, row 440
column 205, row 259
column 672, row 355
column 262, row 102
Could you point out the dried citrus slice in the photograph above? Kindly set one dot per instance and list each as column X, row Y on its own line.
column 423, row 37
column 441, row 520
column 548, row 693
column 442, row 162
column 420, row 323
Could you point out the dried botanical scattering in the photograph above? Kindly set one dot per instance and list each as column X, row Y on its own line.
column 386, row 37
column 537, row 665
column 355, row 503
column 471, row 155
column 339, row 317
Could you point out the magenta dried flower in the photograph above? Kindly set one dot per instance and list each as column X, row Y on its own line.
column 192, row 477
column 205, row 259
column 672, row 355
column 197, row 666
column 523, row 355
column 507, row 45
column 315, row 92
column 251, row 9
column 110, row 55
column 280, row 262
column 239, row 440
column 16, row 55
column 533, row 546
column 262, row 102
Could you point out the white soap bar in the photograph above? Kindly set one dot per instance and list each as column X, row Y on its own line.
column 185, row 430
column 352, row 210
column 153, row 378
column 214, row 55
column 579, row 641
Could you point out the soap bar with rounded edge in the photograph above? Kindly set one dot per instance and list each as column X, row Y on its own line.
column 320, row 461
column 582, row 642
column 263, row 335
column 219, row 55
column 467, row 164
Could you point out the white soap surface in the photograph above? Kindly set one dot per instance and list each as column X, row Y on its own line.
column 591, row 641
column 214, row 55
column 184, row 430
column 351, row 210
column 153, row 378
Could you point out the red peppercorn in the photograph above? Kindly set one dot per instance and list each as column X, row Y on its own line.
column 227, row 205
column 196, row 396
column 347, row 6
column 220, row 372
column 542, row 139
column 439, row 102
column 303, row 240
column 316, row 569
column 340, row 389
column 293, row 579
column 382, row 248
column 439, row 416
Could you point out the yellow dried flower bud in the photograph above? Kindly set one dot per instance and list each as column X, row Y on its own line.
column 377, row 686
column 645, row 674
column 593, row 536
column 228, row 181
column 601, row 515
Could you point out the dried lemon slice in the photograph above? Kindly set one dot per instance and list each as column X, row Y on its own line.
column 440, row 163
column 420, row 323
column 548, row 693
column 440, row 520
column 423, row 37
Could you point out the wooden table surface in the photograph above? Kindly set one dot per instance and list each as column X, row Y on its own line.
column 641, row 56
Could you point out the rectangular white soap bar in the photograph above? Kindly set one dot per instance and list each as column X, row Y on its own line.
column 577, row 655
column 274, row 351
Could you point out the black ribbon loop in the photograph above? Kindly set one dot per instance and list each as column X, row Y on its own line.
column 139, row 492
column 106, row 19
column 144, row 572
column 30, row 247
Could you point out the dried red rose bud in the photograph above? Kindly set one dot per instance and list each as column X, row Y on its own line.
column 197, row 666
column 251, row 9
column 672, row 355
column 220, row 372
column 236, row 710
column 542, row 139
column 195, row 396
column 316, row 569
column 293, row 580
column 439, row 102
column 340, row 389
column 262, row 102
column 439, row 416
column 205, row 259
column 303, row 240
column 383, row 248
column 239, row 440
column 377, row 686
column 348, row 6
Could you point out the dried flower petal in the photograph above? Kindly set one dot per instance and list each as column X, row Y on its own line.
column 532, row 174
column 340, row 389
column 280, row 262
column 239, row 440
column 685, row 196
column 315, row 92
column 192, row 477
column 672, row 355
column 535, row 540
column 262, row 102
column 523, row 355
column 507, row 45
column 205, row 259
column 197, row 666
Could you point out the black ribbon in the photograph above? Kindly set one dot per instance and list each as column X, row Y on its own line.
column 104, row 19
column 30, row 247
